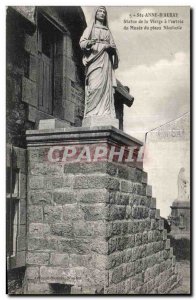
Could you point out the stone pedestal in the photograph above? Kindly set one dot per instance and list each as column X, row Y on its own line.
column 52, row 124
column 180, row 219
column 93, row 225
column 100, row 121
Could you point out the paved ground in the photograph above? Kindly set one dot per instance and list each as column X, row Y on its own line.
column 184, row 270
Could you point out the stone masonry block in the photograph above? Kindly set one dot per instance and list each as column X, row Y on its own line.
column 115, row 259
column 118, row 198
column 138, row 175
column 100, row 246
column 165, row 234
column 96, row 181
column 39, row 244
column 150, row 236
column 154, row 224
column 171, row 252
column 138, row 239
column 116, row 212
column 40, row 197
column 57, row 274
column 144, row 177
column 53, row 214
column 124, row 227
column 126, row 172
column 173, row 260
column 35, row 213
column 116, row 275
column 53, row 182
column 130, row 269
column 98, row 261
column 38, row 229
column 138, row 265
column 137, row 281
column 64, row 196
column 157, row 214
column 140, row 212
column 83, row 228
column 32, row 273
column 37, row 258
column 38, row 288
column 72, row 212
column 36, row 182
column 153, row 203
column 46, row 168
column 149, row 190
column 37, row 155
column 68, row 181
column 144, row 237
column 94, row 212
column 157, row 235
column 126, row 186
column 121, row 243
column 88, row 168
column 144, row 225
column 77, row 260
column 75, row 246
column 128, row 212
column 92, row 196
column 59, row 259
column 161, row 224
column 62, row 229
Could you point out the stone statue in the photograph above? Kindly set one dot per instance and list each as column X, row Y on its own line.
column 100, row 58
column 183, row 186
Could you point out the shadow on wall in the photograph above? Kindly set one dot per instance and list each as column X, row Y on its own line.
column 181, row 248
column 15, row 278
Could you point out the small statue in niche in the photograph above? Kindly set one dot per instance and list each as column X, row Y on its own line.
column 183, row 186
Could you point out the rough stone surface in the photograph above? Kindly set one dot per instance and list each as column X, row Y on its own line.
column 98, row 231
column 100, row 121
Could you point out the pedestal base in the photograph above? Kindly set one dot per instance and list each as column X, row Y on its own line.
column 100, row 121
column 93, row 224
column 52, row 124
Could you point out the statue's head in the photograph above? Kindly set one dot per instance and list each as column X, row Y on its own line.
column 182, row 170
column 101, row 15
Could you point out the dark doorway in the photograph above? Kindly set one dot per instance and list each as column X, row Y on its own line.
column 62, row 289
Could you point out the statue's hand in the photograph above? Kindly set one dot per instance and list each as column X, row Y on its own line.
column 91, row 43
column 107, row 46
column 110, row 49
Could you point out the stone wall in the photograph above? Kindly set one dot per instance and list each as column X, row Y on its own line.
column 94, row 227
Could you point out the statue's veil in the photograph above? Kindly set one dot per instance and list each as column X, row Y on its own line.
column 89, row 29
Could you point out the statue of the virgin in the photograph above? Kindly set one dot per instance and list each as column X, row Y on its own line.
column 100, row 59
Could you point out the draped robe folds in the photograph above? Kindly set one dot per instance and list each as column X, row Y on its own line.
column 100, row 77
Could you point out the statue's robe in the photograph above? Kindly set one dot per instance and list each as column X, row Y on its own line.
column 100, row 78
